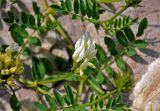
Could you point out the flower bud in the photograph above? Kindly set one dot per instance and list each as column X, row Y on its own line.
column 91, row 65
column 12, row 70
column 7, row 61
column 20, row 70
column 84, row 52
column 18, row 61
column 5, row 72
column 84, row 48
column 10, row 83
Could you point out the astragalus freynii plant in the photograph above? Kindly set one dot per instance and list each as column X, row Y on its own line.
column 88, row 67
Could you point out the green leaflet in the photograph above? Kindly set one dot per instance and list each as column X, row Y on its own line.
column 142, row 26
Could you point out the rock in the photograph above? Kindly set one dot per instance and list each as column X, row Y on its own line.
column 147, row 90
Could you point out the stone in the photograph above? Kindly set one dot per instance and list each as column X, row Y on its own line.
column 147, row 90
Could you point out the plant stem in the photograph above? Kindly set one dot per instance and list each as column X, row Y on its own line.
column 116, row 15
column 98, row 100
column 12, row 90
column 24, row 45
column 55, row 78
column 60, row 30
column 32, row 84
column 45, row 92
column 107, row 1
column 80, row 89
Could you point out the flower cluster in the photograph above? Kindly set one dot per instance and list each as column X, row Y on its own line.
column 84, row 52
column 10, row 65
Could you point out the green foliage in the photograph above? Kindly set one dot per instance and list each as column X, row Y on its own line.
column 1, row 2
column 18, row 34
column 120, row 63
column 69, row 92
column 59, row 98
column 132, row 2
column 76, row 108
column 34, row 41
column 130, row 51
column 124, row 83
column 51, row 102
column 101, row 55
column 14, row 103
column 116, row 103
column 26, row 51
column 40, row 106
column 79, row 8
column 38, row 69
column 141, row 44
column 108, row 1
column 100, row 77
column 47, row 64
column 24, row 18
column 119, row 38
column 95, row 86
column 129, row 34
column 120, row 23
column 35, row 7
column 142, row 26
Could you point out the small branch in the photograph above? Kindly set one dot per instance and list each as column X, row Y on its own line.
column 42, row 91
column 116, row 15
column 54, row 79
column 12, row 90
column 98, row 100
column 26, row 42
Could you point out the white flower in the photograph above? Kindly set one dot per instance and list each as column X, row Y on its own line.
column 84, row 48
column 84, row 52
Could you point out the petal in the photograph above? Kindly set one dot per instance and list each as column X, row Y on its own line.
column 81, row 55
column 91, row 65
column 88, row 35
column 84, row 65
column 78, row 43
column 77, row 52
